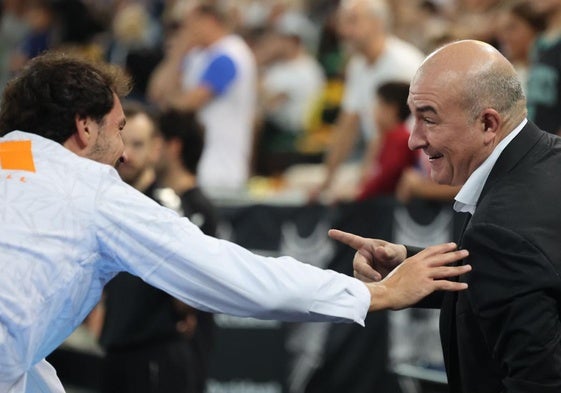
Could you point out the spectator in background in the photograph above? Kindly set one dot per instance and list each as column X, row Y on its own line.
column 378, row 57
column 132, row 29
column 519, row 25
column 544, row 77
column 66, row 25
column 263, row 14
column 134, row 44
column 291, row 86
column 424, row 23
column 145, row 351
column 330, row 53
column 183, row 144
column 77, row 27
column 391, row 113
column 476, row 19
column 183, row 141
column 40, row 16
column 13, row 30
column 209, row 70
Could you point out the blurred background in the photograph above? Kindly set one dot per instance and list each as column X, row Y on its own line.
column 302, row 123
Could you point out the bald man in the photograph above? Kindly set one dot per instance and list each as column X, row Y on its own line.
column 503, row 334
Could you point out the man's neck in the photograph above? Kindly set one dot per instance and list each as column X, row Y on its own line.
column 145, row 180
column 179, row 180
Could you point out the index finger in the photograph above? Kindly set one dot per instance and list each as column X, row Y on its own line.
column 347, row 238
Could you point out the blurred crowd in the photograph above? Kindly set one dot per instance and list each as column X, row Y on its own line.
column 287, row 90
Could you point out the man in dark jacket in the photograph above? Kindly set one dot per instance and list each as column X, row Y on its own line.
column 504, row 333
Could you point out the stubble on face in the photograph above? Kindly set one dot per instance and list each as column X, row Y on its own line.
column 104, row 150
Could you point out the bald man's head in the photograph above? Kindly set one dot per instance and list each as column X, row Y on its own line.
column 476, row 75
column 465, row 97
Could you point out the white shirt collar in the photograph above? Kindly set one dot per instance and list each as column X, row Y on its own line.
column 467, row 198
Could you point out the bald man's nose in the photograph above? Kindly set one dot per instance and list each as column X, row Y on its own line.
column 416, row 138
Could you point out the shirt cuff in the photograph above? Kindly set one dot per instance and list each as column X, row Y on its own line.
column 347, row 303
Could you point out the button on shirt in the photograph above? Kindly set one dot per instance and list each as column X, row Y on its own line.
column 467, row 197
column 69, row 224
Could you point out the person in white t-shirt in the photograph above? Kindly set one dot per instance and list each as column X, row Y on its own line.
column 69, row 224
column 291, row 86
column 378, row 57
column 209, row 70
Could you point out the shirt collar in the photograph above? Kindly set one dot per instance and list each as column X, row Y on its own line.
column 466, row 199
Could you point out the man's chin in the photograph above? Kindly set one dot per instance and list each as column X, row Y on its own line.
column 439, row 180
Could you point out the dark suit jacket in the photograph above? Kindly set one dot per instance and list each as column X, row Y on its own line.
column 503, row 334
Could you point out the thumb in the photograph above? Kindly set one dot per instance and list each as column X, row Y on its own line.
column 385, row 253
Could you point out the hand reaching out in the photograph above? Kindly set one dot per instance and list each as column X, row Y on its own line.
column 419, row 276
column 375, row 258
column 411, row 279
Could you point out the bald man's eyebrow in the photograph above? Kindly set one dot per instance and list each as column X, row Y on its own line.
column 425, row 109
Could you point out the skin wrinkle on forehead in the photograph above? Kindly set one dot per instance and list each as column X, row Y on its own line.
column 435, row 82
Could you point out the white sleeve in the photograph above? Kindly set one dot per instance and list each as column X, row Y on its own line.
column 172, row 254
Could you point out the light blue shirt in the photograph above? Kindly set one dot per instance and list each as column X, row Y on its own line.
column 466, row 199
column 69, row 224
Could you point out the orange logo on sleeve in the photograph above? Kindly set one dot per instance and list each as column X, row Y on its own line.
column 16, row 156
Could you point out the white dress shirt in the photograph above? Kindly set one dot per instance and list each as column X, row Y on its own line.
column 69, row 224
column 467, row 197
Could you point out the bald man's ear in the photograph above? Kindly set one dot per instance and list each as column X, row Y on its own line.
column 491, row 124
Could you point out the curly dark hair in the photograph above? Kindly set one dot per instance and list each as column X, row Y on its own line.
column 53, row 89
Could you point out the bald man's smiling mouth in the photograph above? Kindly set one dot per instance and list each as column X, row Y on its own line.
column 433, row 155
